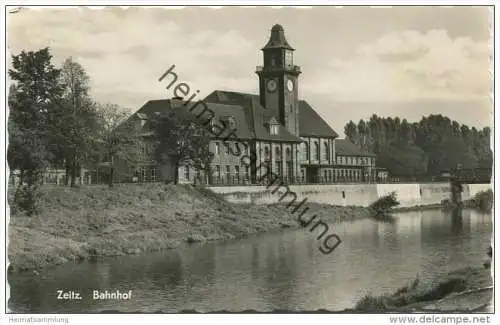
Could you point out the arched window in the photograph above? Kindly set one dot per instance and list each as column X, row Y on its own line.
column 316, row 150
column 266, row 153
column 306, row 150
column 278, row 153
column 288, row 154
column 327, row 151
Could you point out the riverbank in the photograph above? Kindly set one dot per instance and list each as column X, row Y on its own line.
column 75, row 224
column 467, row 289
column 83, row 223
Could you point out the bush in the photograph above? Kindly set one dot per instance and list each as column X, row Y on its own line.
column 370, row 303
column 482, row 201
column 385, row 203
column 380, row 209
column 27, row 199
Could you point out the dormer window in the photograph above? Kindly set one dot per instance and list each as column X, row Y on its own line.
column 230, row 122
column 213, row 121
column 273, row 126
column 142, row 118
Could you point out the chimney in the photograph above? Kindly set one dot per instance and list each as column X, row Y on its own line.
column 176, row 102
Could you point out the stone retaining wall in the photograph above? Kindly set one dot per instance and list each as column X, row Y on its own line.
column 346, row 194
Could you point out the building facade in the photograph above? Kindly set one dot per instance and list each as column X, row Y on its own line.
column 282, row 132
column 356, row 165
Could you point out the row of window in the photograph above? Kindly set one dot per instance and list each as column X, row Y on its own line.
column 316, row 150
column 228, row 172
column 349, row 173
column 187, row 173
column 145, row 174
column 277, row 154
column 235, row 171
column 228, row 151
column 330, row 175
column 341, row 160
column 150, row 174
column 365, row 161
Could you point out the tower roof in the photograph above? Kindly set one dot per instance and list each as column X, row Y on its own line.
column 277, row 39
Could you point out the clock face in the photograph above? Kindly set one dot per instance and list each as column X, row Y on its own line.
column 272, row 85
column 289, row 85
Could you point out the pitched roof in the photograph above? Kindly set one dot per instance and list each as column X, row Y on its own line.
column 250, row 118
column 345, row 147
column 261, row 118
column 311, row 124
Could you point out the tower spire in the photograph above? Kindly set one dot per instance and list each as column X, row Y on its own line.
column 277, row 39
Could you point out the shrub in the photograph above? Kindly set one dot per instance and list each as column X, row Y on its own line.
column 380, row 209
column 482, row 201
column 27, row 199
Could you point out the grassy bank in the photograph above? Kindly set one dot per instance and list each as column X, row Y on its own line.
column 418, row 294
column 81, row 223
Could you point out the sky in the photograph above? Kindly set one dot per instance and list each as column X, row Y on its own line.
column 355, row 61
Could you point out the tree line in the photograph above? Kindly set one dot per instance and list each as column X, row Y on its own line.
column 54, row 123
column 422, row 149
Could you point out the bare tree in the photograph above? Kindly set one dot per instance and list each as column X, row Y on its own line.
column 181, row 141
column 118, row 140
column 77, row 123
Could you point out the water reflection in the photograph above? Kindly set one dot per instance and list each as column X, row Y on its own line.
column 255, row 261
column 276, row 271
column 280, row 278
column 456, row 221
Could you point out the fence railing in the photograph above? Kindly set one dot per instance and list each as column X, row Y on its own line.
column 246, row 181
column 232, row 181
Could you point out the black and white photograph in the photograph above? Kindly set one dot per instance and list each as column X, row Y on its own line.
column 234, row 159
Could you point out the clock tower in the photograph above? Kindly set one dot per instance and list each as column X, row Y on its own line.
column 278, row 86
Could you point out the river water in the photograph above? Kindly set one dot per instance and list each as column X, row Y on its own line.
column 281, row 270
